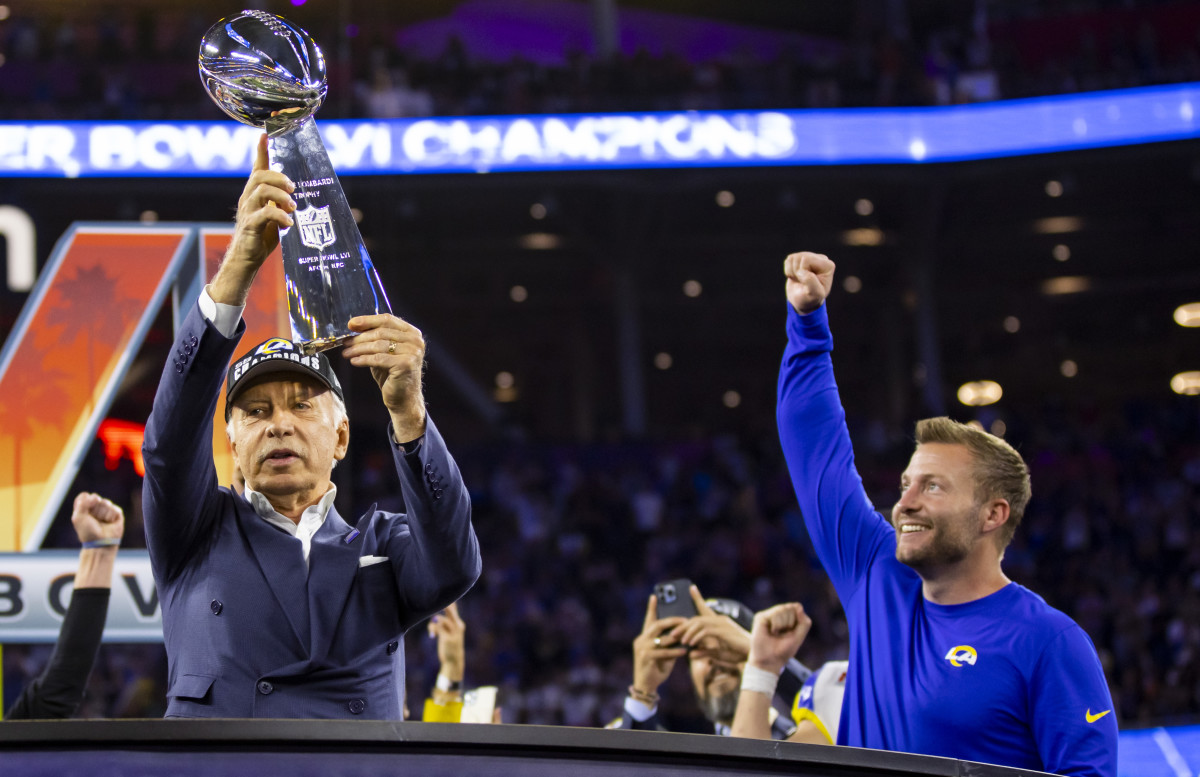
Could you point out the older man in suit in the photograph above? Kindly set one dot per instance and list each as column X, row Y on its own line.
column 273, row 605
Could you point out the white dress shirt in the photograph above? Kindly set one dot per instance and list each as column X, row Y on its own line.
column 310, row 522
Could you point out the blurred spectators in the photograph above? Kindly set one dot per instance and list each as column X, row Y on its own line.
column 575, row 539
column 126, row 64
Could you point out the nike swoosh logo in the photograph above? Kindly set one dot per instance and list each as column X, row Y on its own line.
column 1093, row 718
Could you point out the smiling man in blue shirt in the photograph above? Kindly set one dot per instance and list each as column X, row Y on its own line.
column 948, row 656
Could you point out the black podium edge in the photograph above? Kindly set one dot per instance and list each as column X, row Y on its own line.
column 553, row 742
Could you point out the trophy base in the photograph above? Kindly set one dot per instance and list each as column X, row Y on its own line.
column 309, row 347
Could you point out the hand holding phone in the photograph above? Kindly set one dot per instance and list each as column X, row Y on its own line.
column 675, row 599
column 654, row 651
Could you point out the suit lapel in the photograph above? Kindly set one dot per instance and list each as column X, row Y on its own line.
column 282, row 565
column 332, row 565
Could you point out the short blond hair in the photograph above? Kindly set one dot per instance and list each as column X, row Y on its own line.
column 1000, row 472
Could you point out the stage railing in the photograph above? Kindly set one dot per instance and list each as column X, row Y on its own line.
column 315, row 748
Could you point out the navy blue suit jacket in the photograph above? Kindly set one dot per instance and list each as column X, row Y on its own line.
column 250, row 632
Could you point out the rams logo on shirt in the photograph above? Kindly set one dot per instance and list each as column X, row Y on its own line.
column 273, row 346
column 963, row 654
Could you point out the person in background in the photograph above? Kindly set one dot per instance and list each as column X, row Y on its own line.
column 100, row 525
column 716, row 642
column 446, row 701
column 775, row 637
column 450, row 702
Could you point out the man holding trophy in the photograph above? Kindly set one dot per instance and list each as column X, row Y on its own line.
column 273, row 605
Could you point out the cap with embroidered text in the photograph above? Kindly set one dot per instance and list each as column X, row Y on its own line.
column 277, row 355
column 734, row 610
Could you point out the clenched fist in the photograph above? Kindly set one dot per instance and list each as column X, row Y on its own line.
column 777, row 634
column 809, row 279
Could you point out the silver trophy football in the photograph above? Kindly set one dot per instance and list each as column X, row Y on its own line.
column 266, row 72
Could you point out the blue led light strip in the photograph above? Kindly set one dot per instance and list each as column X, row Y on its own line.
column 622, row 141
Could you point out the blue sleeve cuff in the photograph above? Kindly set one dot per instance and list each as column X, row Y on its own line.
column 809, row 333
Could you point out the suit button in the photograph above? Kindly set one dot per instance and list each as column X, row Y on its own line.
column 216, row 607
column 356, row 706
column 265, row 688
column 429, row 469
column 393, row 646
column 437, row 493
column 193, row 341
column 179, row 368
column 188, row 348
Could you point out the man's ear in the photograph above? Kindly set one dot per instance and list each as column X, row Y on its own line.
column 343, row 439
column 995, row 515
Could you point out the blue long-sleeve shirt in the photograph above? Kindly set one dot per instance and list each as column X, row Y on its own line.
column 1005, row 679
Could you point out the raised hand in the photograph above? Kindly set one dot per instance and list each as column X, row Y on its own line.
column 809, row 279
column 96, row 518
column 778, row 633
column 395, row 352
column 450, row 632
column 717, row 635
column 654, row 651
column 263, row 210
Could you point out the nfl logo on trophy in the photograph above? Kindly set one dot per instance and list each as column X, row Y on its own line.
column 316, row 227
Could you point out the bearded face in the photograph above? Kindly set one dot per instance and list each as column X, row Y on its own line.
column 717, row 684
column 938, row 518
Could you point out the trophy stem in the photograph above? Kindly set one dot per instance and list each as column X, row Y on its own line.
column 329, row 275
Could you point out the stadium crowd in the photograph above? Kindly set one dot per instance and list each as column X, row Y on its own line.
column 125, row 64
column 576, row 536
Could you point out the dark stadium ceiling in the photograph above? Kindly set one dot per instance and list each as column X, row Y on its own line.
column 825, row 18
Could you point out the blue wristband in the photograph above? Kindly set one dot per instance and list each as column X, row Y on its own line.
column 106, row 542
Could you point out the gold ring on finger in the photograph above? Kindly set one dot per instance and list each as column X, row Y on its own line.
column 392, row 347
column 657, row 641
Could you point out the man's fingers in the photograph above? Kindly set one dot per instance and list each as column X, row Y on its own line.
column 659, row 628
column 806, row 261
column 383, row 335
column 651, row 613
column 107, row 511
column 84, row 501
column 260, row 179
column 262, row 157
column 665, row 653
column 272, row 192
column 781, row 618
column 261, row 219
column 452, row 613
column 702, row 607
column 405, row 356
column 691, row 632
column 666, row 624
column 103, row 510
column 381, row 321
column 383, row 341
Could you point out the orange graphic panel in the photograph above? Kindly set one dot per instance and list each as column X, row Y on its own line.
column 65, row 359
column 266, row 316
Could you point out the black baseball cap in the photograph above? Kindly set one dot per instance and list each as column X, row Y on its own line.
column 277, row 355
column 734, row 610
